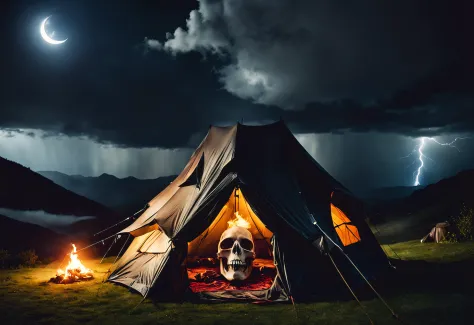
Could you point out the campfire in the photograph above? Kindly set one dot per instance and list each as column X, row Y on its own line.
column 75, row 271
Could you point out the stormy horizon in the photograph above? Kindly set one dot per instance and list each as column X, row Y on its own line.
column 359, row 88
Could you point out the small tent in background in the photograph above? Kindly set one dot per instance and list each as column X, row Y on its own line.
column 301, row 220
column 438, row 233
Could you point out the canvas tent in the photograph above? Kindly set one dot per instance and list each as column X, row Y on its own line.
column 438, row 233
column 298, row 214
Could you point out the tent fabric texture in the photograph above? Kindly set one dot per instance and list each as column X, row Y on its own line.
column 438, row 233
column 297, row 212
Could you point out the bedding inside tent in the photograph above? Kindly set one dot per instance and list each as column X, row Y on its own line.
column 203, row 265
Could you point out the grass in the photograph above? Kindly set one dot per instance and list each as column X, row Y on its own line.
column 28, row 298
column 414, row 250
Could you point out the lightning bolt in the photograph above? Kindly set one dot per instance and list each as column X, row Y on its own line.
column 422, row 156
column 422, row 163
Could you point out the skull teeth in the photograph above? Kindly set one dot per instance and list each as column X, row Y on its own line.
column 236, row 265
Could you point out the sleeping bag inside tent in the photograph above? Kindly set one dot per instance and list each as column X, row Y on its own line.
column 252, row 216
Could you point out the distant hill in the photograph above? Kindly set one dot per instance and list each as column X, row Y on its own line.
column 427, row 206
column 449, row 192
column 390, row 193
column 24, row 190
column 17, row 236
column 125, row 195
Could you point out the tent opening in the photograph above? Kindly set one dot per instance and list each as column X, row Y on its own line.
column 347, row 232
column 203, row 263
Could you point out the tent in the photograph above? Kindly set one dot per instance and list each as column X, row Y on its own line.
column 301, row 219
column 438, row 233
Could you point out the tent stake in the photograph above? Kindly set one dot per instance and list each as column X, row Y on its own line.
column 294, row 306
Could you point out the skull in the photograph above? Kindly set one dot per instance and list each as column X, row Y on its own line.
column 236, row 253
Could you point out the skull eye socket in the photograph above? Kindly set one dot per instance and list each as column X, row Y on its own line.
column 246, row 244
column 227, row 243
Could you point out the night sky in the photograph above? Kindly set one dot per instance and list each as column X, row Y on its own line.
column 136, row 85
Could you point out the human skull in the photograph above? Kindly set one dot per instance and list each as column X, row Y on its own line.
column 236, row 253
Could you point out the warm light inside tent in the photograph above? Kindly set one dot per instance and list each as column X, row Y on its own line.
column 238, row 221
column 347, row 232
column 203, row 264
column 236, row 211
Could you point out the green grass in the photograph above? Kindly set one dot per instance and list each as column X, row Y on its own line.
column 28, row 298
column 414, row 250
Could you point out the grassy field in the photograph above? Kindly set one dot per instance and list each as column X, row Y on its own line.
column 431, row 289
column 414, row 250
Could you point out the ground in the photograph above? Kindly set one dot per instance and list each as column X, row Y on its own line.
column 434, row 294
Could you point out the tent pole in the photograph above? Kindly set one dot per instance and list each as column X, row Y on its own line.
column 350, row 289
column 357, row 269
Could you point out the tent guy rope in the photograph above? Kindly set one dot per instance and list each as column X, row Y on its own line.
column 350, row 289
column 131, row 217
column 102, row 240
column 357, row 269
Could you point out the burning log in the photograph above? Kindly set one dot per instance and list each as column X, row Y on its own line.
column 75, row 271
column 75, row 276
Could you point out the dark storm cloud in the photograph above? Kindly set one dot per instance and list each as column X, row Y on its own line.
column 100, row 84
column 10, row 133
column 374, row 65
column 371, row 65
column 436, row 115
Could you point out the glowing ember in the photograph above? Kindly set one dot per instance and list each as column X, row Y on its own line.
column 238, row 221
column 74, row 271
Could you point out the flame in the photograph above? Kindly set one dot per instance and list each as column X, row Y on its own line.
column 238, row 221
column 74, row 266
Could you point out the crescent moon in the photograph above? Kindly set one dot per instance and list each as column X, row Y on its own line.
column 45, row 36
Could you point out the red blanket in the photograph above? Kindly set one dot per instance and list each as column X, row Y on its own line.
column 209, row 278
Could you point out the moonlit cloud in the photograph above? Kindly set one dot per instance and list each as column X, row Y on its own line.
column 153, row 44
column 313, row 50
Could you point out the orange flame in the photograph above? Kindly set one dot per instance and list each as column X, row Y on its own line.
column 238, row 221
column 74, row 266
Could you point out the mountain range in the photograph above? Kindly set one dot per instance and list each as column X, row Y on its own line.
column 27, row 199
column 17, row 236
column 23, row 189
column 124, row 195
column 422, row 209
column 109, row 199
column 434, row 202
column 389, row 193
